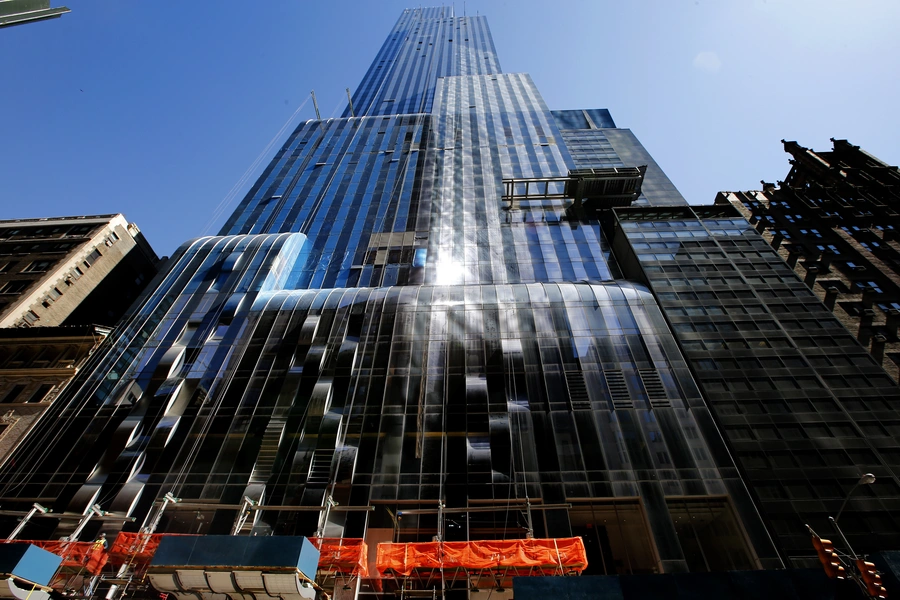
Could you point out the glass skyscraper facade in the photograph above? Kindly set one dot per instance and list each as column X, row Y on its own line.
column 451, row 303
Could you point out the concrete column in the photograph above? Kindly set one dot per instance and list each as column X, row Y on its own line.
column 793, row 255
column 865, row 326
column 878, row 347
column 893, row 320
column 811, row 272
column 776, row 240
column 831, row 295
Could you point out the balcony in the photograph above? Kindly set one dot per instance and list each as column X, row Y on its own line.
column 583, row 193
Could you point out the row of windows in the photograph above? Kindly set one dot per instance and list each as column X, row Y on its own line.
column 741, row 433
column 47, row 231
column 17, row 392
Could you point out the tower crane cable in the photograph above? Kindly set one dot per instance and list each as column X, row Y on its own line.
column 232, row 193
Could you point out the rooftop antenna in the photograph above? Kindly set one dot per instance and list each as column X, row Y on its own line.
column 350, row 100
column 316, row 105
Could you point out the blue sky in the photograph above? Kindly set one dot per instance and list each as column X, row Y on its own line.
column 157, row 109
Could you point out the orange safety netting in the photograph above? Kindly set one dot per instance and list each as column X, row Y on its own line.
column 519, row 557
column 76, row 555
column 345, row 555
column 133, row 547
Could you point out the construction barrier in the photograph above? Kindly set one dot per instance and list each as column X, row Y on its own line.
column 348, row 556
column 136, row 548
column 512, row 557
column 78, row 557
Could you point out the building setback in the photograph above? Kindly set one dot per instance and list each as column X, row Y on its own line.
column 454, row 314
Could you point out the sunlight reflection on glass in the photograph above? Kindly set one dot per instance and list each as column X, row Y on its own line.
column 449, row 273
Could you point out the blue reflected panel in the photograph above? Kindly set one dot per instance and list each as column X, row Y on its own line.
column 28, row 562
column 419, row 257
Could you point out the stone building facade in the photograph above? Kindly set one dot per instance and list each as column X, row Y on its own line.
column 835, row 221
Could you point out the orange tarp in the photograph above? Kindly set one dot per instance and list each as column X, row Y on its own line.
column 127, row 548
column 137, row 548
column 345, row 555
column 528, row 556
column 75, row 555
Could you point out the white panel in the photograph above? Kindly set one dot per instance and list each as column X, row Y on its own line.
column 164, row 582
column 250, row 581
column 17, row 592
column 220, row 582
column 192, row 580
column 280, row 583
column 288, row 586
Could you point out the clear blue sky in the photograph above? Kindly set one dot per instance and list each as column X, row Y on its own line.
column 156, row 109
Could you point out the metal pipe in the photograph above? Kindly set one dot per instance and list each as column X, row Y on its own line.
column 866, row 479
column 167, row 499
column 350, row 100
column 288, row 508
column 530, row 532
column 37, row 508
column 93, row 510
column 316, row 105
column 323, row 518
column 474, row 509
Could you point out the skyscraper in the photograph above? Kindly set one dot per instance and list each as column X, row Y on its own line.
column 453, row 314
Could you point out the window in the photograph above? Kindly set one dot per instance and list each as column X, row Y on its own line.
column 92, row 257
column 41, row 392
column 14, row 287
column 615, row 537
column 80, row 230
column 710, row 535
column 38, row 266
column 13, row 393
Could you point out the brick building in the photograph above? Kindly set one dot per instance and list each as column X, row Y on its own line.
column 835, row 221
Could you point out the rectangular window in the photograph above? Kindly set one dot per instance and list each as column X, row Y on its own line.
column 14, row 287
column 710, row 535
column 41, row 392
column 92, row 257
column 13, row 393
column 38, row 266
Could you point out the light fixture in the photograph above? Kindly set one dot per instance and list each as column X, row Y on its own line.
column 866, row 479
